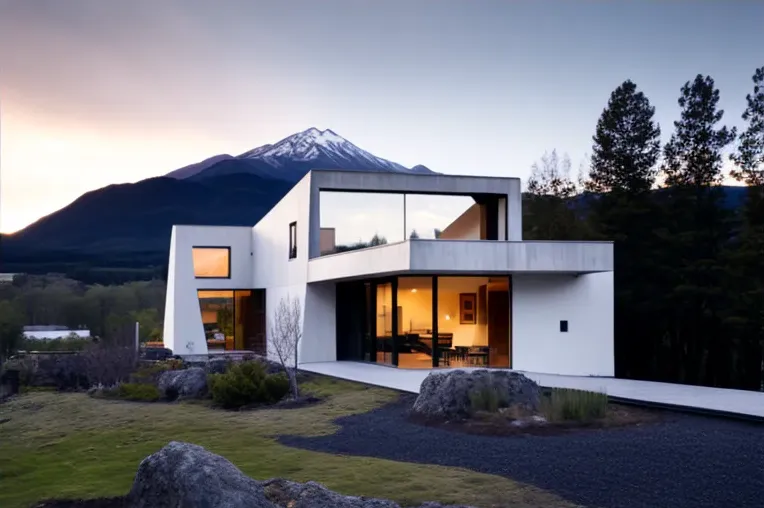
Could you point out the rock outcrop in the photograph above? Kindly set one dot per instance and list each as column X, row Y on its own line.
column 184, row 475
column 450, row 394
column 183, row 383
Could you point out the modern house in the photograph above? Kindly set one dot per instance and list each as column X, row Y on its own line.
column 407, row 270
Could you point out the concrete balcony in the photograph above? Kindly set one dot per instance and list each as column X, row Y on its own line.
column 464, row 257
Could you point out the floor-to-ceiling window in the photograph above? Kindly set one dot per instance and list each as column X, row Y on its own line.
column 416, row 346
column 233, row 319
column 475, row 311
column 426, row 321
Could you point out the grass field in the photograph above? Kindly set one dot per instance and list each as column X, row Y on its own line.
column 68, row 445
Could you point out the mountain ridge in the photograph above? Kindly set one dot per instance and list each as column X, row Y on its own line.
column 293, row 156
column 130, row 224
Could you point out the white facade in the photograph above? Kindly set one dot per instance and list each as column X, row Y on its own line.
column 551, row 282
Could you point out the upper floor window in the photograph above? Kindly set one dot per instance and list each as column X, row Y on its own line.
column 212, row 262
column 293, row 240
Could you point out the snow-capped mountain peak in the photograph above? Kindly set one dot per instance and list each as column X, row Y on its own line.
column 297, row 154
column 314, row 144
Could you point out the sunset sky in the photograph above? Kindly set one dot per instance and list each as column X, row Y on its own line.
column 94, row 92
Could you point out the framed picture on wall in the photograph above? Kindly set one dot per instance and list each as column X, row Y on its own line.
column 467, row 308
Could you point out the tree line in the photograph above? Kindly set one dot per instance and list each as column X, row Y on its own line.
column 689, row 278
column 108, row 312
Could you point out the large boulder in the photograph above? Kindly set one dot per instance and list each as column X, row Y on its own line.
column 183, row 475
column 449, row 394
column 314, row 495
column 183, row 383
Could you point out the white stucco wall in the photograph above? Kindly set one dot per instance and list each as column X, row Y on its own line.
column 285, row 278
column 540, row 302
column 319, row 342
column 183, row 330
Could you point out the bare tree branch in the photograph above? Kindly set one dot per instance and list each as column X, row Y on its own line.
column 286, row 332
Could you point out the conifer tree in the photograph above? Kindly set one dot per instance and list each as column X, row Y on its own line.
column 747, row 274
column 622, row 172
column 626, row 144
column 697, row 235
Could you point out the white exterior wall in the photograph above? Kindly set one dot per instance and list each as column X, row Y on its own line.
column 540, row 302
column 183, row 329
column 272, row 269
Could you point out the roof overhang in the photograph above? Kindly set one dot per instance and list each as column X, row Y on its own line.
column 464, row 257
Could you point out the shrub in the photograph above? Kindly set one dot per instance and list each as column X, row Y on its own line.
column 64, row 371
column 247, row 383
column 63, row 344
column 149, row 373
column 574, row 405
column 138, row 392
column 25, row 366
column 109, row 364
column 487, row 398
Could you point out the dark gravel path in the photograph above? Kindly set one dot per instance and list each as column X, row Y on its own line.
column 684, row 462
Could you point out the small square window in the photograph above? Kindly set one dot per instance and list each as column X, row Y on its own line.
column 564, row 326
column 212, row 262
column 293, row 240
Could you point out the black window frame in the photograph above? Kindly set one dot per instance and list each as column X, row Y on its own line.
column 211, row 247
column 293, row 240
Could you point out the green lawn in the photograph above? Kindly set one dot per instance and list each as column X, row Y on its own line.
column 70, row 445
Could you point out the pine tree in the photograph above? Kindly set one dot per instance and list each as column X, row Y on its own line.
column 626, row 144
column 697, row 235
column 622, row 172
column 693, row 156
column 749, row 156
column 747, row 275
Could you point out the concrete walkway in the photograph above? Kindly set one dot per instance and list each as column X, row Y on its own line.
column 734, row 402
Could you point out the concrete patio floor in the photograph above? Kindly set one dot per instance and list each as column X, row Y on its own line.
column 740, row 403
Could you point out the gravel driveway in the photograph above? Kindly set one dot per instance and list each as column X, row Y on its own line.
column 683, row 462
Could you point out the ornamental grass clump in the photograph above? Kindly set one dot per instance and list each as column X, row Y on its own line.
column 487, row 398
column 569, row 405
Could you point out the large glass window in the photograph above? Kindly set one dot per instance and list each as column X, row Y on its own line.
column 474, row 312
column 429, row 216
column 416, row 340
column 217, row 319
column 357, row 220
column 234, row 320
column 390, row 321
column 212, row 262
